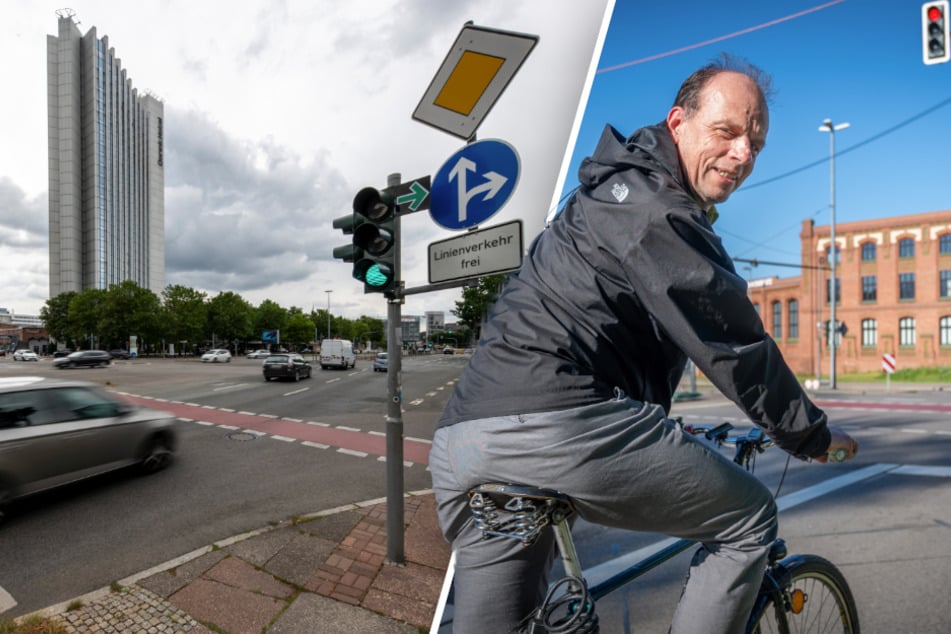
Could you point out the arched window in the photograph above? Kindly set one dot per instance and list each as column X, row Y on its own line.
column 944, row 244
column 906, row 248
column 777, row 320
column 944, row 330
column 869, row 333
column 906, row 331
column 792, row 318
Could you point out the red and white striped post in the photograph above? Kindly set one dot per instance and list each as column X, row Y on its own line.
column 888, row 366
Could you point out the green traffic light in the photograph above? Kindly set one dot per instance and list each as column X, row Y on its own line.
column 378, row 276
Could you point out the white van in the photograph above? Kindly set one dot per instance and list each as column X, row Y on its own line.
column 337, row 353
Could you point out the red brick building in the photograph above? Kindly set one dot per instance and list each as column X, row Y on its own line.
column 894, row 295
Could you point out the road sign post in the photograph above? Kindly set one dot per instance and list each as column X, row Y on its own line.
column 888, row 366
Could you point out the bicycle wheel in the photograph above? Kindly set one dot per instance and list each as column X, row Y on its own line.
column 813, row 597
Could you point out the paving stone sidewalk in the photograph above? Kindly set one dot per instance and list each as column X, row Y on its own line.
column 323, row 573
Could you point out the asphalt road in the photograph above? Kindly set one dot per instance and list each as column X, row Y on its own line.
column 251, row 453
column 883, row 518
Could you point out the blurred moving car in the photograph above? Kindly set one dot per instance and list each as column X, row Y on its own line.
column 56, row 432
column 218, row 355
column 25, row 355
column 448, row 351
column 62, row 353
column 259, row 354
column 83, row 358
column 381, row 363
column 286, row 366
column 119, row 354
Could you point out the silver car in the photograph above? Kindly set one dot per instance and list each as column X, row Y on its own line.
column 56, row 432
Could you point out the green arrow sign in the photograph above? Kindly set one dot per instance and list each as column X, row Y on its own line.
column 412, row 195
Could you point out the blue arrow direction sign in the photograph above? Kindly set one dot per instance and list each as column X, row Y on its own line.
column 412, row 195
column 474, row 184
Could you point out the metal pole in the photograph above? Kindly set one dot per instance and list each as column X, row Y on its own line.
column 833, row 253
column 328, row 313
column 394, row 409
column 833, row 249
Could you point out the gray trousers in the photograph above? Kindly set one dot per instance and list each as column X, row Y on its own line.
column 624, row 464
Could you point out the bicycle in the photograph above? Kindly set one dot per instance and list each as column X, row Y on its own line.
column 799, row 593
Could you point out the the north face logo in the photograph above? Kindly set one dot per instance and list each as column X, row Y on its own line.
column 619, row 191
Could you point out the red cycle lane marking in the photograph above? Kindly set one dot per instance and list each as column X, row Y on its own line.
column 413, row 451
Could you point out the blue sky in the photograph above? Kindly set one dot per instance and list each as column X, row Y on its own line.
column 855, row 61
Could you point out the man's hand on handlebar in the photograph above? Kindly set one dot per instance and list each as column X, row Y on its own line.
column 843, row 447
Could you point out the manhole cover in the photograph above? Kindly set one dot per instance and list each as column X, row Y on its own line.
column 242, row 436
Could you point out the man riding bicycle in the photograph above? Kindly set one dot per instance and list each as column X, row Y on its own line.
column 572, row 381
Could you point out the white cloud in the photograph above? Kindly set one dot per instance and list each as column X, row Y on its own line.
column 276, row 114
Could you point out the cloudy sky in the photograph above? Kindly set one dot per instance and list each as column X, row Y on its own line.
column 276, row 114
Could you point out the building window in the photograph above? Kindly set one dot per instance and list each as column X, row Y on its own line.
column 906, row 248
column 868, row 252
column 869, row 288
column 838, row 255
column 777, row 320
column 838, row 290
column 944, row 283
column 906, row 331
column 906, row 286
column 869, row 333
column 793, row 319
column 944, row 244
column 944, row 331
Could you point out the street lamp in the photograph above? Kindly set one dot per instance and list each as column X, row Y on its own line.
column 328, row 313
column 834, row 249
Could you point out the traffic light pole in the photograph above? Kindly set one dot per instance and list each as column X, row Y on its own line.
column 394, row 408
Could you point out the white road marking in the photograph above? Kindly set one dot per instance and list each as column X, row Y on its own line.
column 303, row 389
column 351, row 452
column 283, row 438
column 7, row 602
column 316, row 445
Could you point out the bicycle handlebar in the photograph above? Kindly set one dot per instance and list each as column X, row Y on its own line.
column 720, row 435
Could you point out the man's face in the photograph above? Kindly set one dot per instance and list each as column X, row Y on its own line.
column 719, row 141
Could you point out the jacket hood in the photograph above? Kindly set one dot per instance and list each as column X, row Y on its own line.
column 649, row 147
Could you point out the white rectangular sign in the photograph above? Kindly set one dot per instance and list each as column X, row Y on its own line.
column 476, row 253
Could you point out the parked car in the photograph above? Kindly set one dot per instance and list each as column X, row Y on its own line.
column 119, row 354
column 259, row 354
column 381, row 363
column 286, row 366
column 55, row 432
column 83, row 358
column 62, row 353
column 25, row 355
column 218, row 355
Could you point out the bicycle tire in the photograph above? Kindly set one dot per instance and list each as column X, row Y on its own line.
column 827, row 604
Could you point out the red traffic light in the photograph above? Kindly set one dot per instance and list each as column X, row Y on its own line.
column 935, row 44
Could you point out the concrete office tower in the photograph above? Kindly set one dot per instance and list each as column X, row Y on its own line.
column 106, row 174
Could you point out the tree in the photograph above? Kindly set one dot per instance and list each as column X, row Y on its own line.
column 185, row 314
column 229, row 317
column 128, row 310
column 85, row 312
column 298, row 329
column 269, row 316
column 370, row 328
column 55, row 316
column 477, row 300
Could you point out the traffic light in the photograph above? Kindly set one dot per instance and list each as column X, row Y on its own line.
column 347, row 252
column 375, row 240
column 934, row 32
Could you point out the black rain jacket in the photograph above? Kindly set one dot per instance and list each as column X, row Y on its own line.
column 627, row 283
